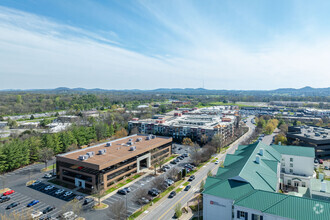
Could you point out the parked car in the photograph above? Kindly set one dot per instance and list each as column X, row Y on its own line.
column 122, row 192
column 172, row 194
column 187, row 188
column 46, row 217
column 169, row 181
column 154, row 192
column 191, row 178
column 127, row 189
column 79, row 197
column 32, row 203
column 167, row 166
column 36, row 214
column 68, row 194
column 320, row 161
column 36, row 182
column 217, row 162
column 8, row 192
column 144, row 200
column 88, row 200
column 4, row 199
column 49, row 187
column 48, row 176
column 177, row 160
column 316, row 161
column 59, row 191
column 48, row 209
column 12, row 205
column 326, row 168
column 173, row 162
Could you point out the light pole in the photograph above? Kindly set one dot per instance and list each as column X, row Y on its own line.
column 126, row 205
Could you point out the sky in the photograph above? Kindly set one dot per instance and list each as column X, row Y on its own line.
column 142, row 44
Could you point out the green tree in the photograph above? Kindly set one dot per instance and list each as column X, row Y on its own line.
column 31, row 117
column 280, row 138
column 187, row 141
column 202, row 186
column 19, row 99
column 177, row 210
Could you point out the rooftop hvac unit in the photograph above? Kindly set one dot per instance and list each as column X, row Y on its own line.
column 130, row 139
column 153, row 136
column 323, row 186
column 83, row 157
column 108, row 144
column 132, row 148
column 129, row 143
column 148, row 138
column 261, row 152
column 138, row 139
column 90, row 154
column 101, row 152
column 257, row 159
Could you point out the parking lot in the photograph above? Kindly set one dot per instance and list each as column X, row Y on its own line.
column 41, row 187
column 22, row 207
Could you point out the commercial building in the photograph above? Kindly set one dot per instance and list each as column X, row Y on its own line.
column 191, row 122
column 311, row 136
column 248, row 186
column 100, row 166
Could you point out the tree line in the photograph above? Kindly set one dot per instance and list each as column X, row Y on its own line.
column 30, row 146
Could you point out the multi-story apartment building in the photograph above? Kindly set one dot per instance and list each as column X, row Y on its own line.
column 192, row 123
column 248, row 186
column 100, row 166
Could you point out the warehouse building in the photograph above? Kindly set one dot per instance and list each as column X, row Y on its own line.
column 100, row 166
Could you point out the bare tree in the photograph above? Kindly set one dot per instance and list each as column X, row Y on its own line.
column 217, row 142
column 117, row 210
column 195, row 157
column 73, row 205
column 138, row 194
column 173, row 173
column 45, row 154
column 134, row 130
column 159, row 183
column 204, row 139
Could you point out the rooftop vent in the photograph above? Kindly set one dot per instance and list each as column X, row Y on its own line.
column 148, row 138
column 130, row 139
column 138, row 139
column 132, row 148
column 257, row 159
column 90, row 154
column 108, row 144
column 101, row 152
column 323, row 186
column 129, row 143
column 153, row 136
column 261, row 152
column 83, row 157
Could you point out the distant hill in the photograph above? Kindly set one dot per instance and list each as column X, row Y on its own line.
column 305, row 91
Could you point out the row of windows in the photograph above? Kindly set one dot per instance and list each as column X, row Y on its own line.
column 245, row 216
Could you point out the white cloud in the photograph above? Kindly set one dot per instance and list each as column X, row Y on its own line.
column 38, row 53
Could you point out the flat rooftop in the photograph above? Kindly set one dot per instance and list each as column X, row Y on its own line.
column 117, row 152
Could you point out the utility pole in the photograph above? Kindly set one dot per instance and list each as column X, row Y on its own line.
column 126, row 206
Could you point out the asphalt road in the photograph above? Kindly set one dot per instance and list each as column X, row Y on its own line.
column 165, row 209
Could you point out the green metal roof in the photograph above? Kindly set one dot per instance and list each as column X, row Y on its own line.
column 287, row 206
column 295, row 150
column 230, row 189
column 301, row 208
column 253, row 200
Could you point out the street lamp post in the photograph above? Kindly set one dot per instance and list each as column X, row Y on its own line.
column 126, row 206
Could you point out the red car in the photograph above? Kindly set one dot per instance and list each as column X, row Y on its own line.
column 320, row 161
column 8, row 192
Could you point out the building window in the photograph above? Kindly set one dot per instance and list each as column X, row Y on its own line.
column 289, row 182
column 242, row 215
column 291, row 164
column 291, row 170
column 291, row 159
column 283, row 170
column 257, row 217
column 303, row 184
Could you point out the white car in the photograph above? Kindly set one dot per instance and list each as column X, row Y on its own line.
column 36, row 183
column 49, row 187
column 59, row 191
column 67, row 193
column 36, row 215
column 217, row 162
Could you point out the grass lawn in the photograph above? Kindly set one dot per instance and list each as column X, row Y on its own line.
column 50, row 167
column 186, row 183
column 101, row 206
